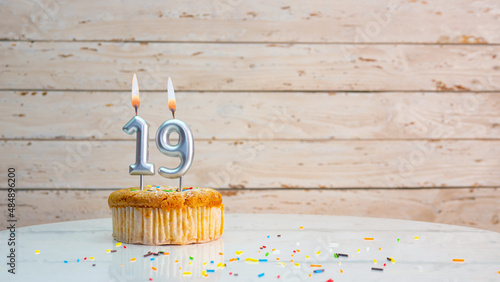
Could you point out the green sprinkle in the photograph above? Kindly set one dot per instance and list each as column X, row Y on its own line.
column 191, row 258
column 133, row 189
column 398, row 239
column 267, row 254
column 335, row 255
column 167, row 190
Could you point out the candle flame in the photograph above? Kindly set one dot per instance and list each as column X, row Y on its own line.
column 172, row 105
column 136, row 100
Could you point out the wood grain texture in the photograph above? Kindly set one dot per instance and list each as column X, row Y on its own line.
column 456, row 21
column 249, row 67
column 235, row 116
column 262, row 164
column 474, row 207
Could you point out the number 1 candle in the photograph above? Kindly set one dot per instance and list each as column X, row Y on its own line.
column 184, row 149
column 138, row 125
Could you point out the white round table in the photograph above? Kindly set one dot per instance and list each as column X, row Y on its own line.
column 261, row 247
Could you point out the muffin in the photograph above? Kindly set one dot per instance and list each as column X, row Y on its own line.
column 163, row 216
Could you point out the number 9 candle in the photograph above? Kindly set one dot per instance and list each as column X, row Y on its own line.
column 138, row 125
column 184, row 149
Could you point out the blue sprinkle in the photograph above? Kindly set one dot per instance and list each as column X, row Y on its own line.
column 238, row 258
column 157, row 186
column 260, row 275
column 65, row 261
column 212, row 261
column 262, row 260
column 319, row 270
column 268, row 236
column 210, row 270
column 78, row 260
column 152, row 258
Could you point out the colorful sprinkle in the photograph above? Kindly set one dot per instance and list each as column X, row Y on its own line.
column 133, row 189
column 267, row 254
column 262, row 260
column 65, row 261
column 239, row 252
column 369, row 239
column 210, row 270
column 191, row 258
column 358, row 250
column 133, row 259
column 108, row 251
column 319, row 270
column 154, row 268
column 315, row 265
column 416, row 238
column 377, row 269
column 37, row 252
column 152, row 259
column 260, row 275
column 318, row 252
column 118, row 244
column 186, row 273
column 221, row 254
column 302, row 227
column 251, row 260
column 375, row 261
column 458, row 260
column 91, row 258
column 297, row 264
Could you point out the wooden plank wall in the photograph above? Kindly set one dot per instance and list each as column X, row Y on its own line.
column 368, row 108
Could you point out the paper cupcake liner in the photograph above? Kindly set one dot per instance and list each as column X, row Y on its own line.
column 154, row 226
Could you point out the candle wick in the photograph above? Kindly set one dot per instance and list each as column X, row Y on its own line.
column 173, row 113
column 135, row 107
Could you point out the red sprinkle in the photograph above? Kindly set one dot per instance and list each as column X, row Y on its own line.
column 278, row 276
column 85, row 258
column 384, row 264
column 150, row 279
column 230, row 273
column 124, row 246
column 329, row 280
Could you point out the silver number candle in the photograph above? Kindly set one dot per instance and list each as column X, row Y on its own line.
column 139, row 126
column 184, row 149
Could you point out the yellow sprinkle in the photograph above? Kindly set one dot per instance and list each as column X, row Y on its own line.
column 375, row 261
column 291, row 255
column 220, row 264
column 251, row 260
column 205, row 263
column 307, row 257
column 359, row 250
column 297, row 264
column 318, row 252
column 204, row 273
column 458, row 260
column 392, row 260
column 131, row 260
column 416, row 238
column 154, row 268
column 186, row 273
column 340, row 263
column 176, row 261
column 108, row 251
column 273, row 250
column 302, row 227
column 369, row 239
column 341, row 271
column 259, row 252
column 118, row 244
column 91, row 258
column 189, row 263
column 149, row 186
column 37, row 252
column 239, row 252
